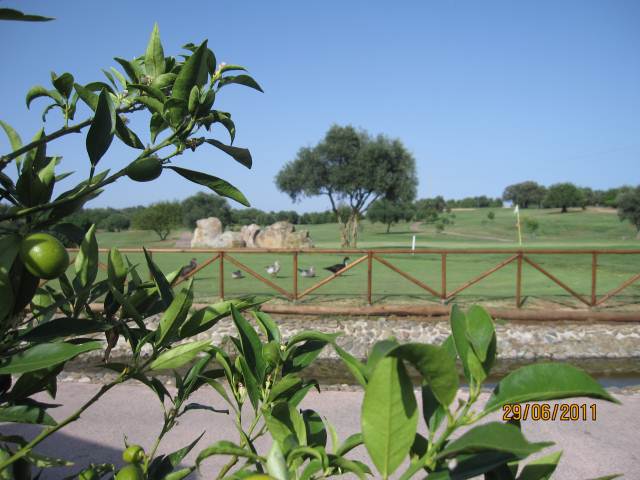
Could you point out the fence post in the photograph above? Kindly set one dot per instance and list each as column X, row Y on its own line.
column 369, row 268
column 594, row 267
column 295, row 276
column 519, row 282
column 443, row 276
column 221, row 279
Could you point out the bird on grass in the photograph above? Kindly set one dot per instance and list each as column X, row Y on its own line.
column 338, row 266
column 307, row 272
column 237, row 274
column 187, row 269
column 273, row 269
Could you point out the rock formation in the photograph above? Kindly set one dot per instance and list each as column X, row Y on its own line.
column 283, row 235
column 207, row 229
column 209, row 234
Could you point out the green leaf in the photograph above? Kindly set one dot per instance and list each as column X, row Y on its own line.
column 221, row 187
column 127, row 136
column 86, row 263
column 250, row 382
column 315, row 431
column 286, row 426
column 432, row 410
column 285, row 387
column 301, row 356
column 14, row 138
column 166, row 294
column 251, row 345
column 435, row 366
column 7, row 297
column 46, row 355
column 26, row 414
column 132, row 69
column 16, row 15
column 276, row 464
column 312, row 335
column 545, row 381
column 355, row 366
column 40, row 91
column 163, row 81
column 174, row 316
column 87, row 96
column 154, row 57
column 473, row 368
column 378, row 352
column 245, row 80
column 64, row 84
column 116, row 270
column 63, row 327
column 178, row 356
column 189, row 74
column 269, row 327
column 207, row 317
column 389, row 415
column 349, row 444
column 541, row 468
column 102, row 129
column 480, row 331
column 241, row 155
column 224, row 447
column 493, row 436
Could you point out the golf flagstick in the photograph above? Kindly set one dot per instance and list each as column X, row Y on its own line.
column 517, row 214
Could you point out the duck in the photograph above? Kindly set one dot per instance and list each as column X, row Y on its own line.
column 338, row 266
column 273, row 269
column 187, row 269
column 237, row 274
column 307, row 272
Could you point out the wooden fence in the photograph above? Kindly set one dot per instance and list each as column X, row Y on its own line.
column 520, row 257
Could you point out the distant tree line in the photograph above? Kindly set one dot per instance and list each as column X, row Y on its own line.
column 562, row 195
column 162, row 217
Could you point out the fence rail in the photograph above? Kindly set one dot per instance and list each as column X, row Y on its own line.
column 520, row 256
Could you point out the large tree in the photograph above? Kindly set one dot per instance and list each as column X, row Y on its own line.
column 629, row 207
column 388, row 212
column 160, row 217
column 563, row 195
column 524, row 194
column 352, row 167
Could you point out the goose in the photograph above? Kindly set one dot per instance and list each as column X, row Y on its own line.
column 187, row 269
column 307, row 272
column 273, row 269
column 237, row 274
column 338, row 266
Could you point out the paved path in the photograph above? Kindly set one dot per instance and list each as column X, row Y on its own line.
column 591, row 449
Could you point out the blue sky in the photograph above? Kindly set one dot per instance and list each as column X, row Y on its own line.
column 484, row 94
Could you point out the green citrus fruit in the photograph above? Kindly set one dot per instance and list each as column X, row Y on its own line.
column 133, row 454
column 145, row 169
column 130, row 472
column 44, row 255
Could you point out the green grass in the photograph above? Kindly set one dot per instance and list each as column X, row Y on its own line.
column 472, row 229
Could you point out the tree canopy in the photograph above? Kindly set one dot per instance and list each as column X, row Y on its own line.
column 629, row 207
column 203, row 205
column 563, row 195
column 388, row 212
column 351, row 166
column 524, row 194
column 159, row 217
